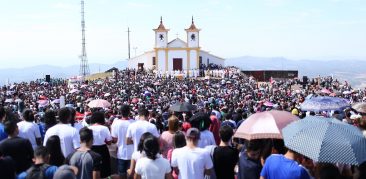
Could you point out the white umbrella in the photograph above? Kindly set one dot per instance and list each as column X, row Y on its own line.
column 9, row 100
column 74, row 91
column 99, row 103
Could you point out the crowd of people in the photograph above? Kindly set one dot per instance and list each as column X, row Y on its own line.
column 47, row 130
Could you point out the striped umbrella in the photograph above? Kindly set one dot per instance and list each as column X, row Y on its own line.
column 324, row 103
column 326, row 140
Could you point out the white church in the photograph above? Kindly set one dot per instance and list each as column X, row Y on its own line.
column 176, row 55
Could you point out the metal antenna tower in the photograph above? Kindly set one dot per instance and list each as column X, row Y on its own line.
column 129, row 44
column 84, row 67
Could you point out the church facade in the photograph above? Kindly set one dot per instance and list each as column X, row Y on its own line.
column 175, row 55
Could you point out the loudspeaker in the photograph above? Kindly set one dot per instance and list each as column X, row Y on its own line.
column 305, row 79
column 48, row 78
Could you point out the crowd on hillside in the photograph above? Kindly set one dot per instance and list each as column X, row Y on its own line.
column 47, row 129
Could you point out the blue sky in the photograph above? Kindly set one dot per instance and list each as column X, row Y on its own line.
column 48, row 31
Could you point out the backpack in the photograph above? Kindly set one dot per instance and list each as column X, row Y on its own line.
column 37, row 171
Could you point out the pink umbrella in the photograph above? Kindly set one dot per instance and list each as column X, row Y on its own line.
column 268, row 104
column 135, row 100
column 333, row 94
column 99, row 103
column 325, row 91
column 265, row 125
column 43, row 103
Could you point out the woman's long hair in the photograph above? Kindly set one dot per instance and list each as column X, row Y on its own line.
column 151, row 147
column 56, row 156
column 140, row 146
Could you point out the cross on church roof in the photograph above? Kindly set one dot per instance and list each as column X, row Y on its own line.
column 177, row 35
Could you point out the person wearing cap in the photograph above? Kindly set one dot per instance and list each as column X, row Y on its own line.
column 191, row 161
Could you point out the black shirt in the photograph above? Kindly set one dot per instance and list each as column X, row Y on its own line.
column 7, row 167
column 20, row 150
column 225, row 159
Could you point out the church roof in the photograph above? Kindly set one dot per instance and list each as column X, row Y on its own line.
column 208, row 53
column 192, row 28
column 177, row 43
column 161, row 27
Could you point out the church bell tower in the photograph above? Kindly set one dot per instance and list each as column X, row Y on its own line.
column 161, row 35
column 193, row 36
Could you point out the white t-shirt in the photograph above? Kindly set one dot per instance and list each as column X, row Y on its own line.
column 154, row 169
column 100, row 134
column 69, row 137
column 30, row 131
column 119, row 130
column 136, row 155
column 138, row 128
column 191, row 162
column 78, row 126
column 206, row 139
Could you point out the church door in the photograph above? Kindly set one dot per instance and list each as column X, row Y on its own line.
column 177, row 64
column 140, row 66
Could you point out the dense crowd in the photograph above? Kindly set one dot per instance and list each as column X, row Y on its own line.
column 47, row 129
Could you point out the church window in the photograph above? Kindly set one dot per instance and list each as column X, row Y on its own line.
column 193, row 37
column 153, row 61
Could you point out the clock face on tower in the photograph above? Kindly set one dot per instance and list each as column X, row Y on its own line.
column 193, row 37
column 161, row 37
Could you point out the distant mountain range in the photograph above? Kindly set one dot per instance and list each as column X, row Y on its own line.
column 37, row 72
column 354, row 71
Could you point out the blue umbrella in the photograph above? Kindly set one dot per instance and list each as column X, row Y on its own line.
column 324, row 103
column 326, row 140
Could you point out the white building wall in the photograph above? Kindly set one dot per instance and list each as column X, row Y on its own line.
column 146, row 59
column 212, row 59
column 161, row 60
column 193, row 59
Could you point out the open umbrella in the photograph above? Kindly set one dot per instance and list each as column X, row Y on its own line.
column 74, row 91
column 182, row 107
column 326, row 140
column 268, row 104
column 56, row 101
column 99, row 103
column 265, row 125
column 43, row 103
column 360, row 107
column 324, row 103
column 9, row 100
column 135, row 100
column 325, row 91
